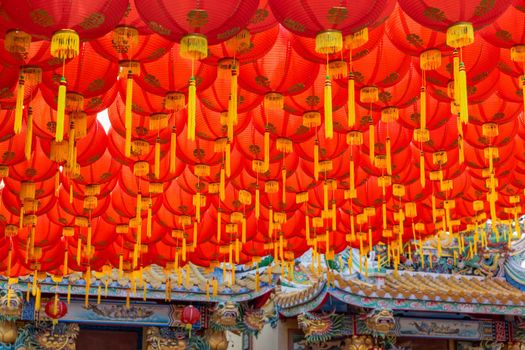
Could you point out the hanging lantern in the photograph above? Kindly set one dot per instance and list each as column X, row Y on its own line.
column 56, row 309
column 190, row 315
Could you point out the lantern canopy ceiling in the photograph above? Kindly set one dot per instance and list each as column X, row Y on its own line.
column 242, row 128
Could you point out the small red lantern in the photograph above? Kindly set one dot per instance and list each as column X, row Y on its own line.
column 190, row 315
column 56, row 309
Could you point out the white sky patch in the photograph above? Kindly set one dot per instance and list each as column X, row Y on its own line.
column 103, row 118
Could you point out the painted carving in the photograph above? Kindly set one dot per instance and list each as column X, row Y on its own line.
column 380, row 321
column 216, row 339
column 359, row 342
column 515, row 345
column 62, row 336
column 321, row 328
column 224, row 316
column 165, row 339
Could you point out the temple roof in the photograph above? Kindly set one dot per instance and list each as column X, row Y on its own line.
column 411, row 291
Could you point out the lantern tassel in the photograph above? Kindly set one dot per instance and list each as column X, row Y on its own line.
column 29, row 134
column 352, row 176
column 283, row 175
column 232, row 111
column 371, row 138
column 219, row 226
column 422, row 178
column 128, row 116
column 227, row 161
column 173, row 151
column 455, row 62
column 148, row 222
column 19, row 110
column 61, row 108
column 266, row 149
column 192, row 105
column 257, row 206
column 328, row 127
column 388, row 157
column 463, row 97
column 222, row 191
column 270, row 223
column 384, row 216
column 307, row 228
column 156, row 166
column 351, row 100
column 325, row 196
column 316, row 160
column 423, row 109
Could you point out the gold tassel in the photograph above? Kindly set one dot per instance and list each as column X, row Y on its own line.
column 19, row 109
column 352, row 177
column 328, row 127
column 257, row 206
column 195, row 235
column 232, row 111
column 79, row 250
column 388, row 157
column 207, row 289
column 120, row 266
column 237, row 251
column 219, row 226
column 384, row 216
column 99, row 294
column 455, row 62
column 173, row 151
column 128, row 113
column 351, row 100
column 371, row 138
column 316, row 160
column 148, row 222
column 156, row 166
column 422, row 177
column 325, row 196
column 266, row 149
column 38, row 299
column 184, row 249
column 215, row 287
column 227, row 161
column 463, row 97
column 197, row 207
column 88, row 245
column 334, row 217
column 192, row 105
column 434, row 209
column 29, row 134
column 71, row 193
column 61, row 107
column 57, row 183
column 222, row 190
column 270, row 222
column 71, row 147
column 307, row 229
column 283, row 176
column 423, row 109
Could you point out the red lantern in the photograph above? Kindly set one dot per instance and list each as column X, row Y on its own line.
column 190, row 315
column 56, row 309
